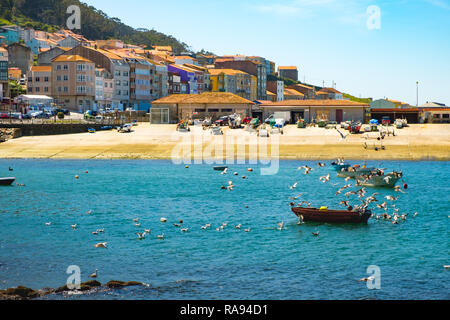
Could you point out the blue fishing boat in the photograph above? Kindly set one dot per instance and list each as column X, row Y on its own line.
column 338, row 166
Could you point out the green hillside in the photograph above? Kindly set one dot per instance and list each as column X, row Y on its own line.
column 50, row 15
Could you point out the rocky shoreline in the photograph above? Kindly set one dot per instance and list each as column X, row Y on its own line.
column 23, row 293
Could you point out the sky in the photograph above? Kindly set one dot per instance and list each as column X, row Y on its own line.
column 368, row 48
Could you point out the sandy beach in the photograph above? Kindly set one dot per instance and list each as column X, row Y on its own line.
column 417, row 142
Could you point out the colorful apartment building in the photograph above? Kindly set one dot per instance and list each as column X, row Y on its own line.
column 4, row 83
column 11, row 34
column 73, row 82
column 251, row 67
column 116, row 66
column 104, row 89
column 40, row 80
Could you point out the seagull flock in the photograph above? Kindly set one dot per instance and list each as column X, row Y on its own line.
column 389, row 204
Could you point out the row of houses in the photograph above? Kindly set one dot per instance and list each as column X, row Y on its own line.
column 81, row 74
column 174, row 108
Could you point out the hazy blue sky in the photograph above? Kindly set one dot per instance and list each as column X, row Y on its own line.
column 329, row 40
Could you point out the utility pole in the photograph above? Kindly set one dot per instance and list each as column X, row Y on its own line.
column 417, row 83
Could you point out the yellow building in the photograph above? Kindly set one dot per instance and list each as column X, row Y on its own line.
column 254, row 88
column 14, row 74
column 233, row 81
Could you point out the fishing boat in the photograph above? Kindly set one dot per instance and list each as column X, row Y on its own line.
column 324, row 215
column 218, row 168
column 354, row 172
column 6, row 181
column 338, row 166
column 379, row 179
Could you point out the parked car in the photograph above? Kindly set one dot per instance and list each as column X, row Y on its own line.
column 125, row 128
column 247, row 120
column 4, row 116
column 65, row 111
column 223, row 121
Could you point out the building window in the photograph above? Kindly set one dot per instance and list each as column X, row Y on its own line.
column 46, row 79
column 66, row 67
column 213, row 110
column 30, row 89
column 66, row 89
column 38, row 79
column 66, row 78
column 58, row 67
column 446, row 116
column 227, row 110
column 46, row 89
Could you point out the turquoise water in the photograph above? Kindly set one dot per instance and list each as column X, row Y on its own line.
column 264, row 263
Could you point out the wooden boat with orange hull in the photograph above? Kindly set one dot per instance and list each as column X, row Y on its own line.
column 332, row 216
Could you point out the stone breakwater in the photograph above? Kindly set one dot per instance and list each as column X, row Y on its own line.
column 9, row 134
column 23, row 293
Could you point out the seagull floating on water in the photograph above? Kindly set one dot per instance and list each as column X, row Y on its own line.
column 95, row 274
column 102, row 245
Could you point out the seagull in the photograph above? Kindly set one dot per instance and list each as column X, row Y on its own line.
column 176, row 225
column 11, row 169
column 416, row 214
column 447, row 267
column 147, row 231
column 321, row 165
column 141, row 236
column 204, row 228
column 89, row 212
column 95, row 233
column 136, row 220
column 160, row 237
column 74, row 226
column 382, row 206
column 280, row 226
column 391, row 198
column 398, row 189
column 224, row 172
column 137, row 225
column 295, row 198
column 344, row 203
column 184, row 230
column 95, row 274
column 48, row 224
column 325, row 179
column 316, row 234
column 208, row 225
column 342, row 135
column 102, row 245
column 230, row 186
column 294, row 186
column 388, row 179
column 247, row 230
column 371, row 278
column 101, row 230
column 306, row 168
column 163, row 220
column 239, row 226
